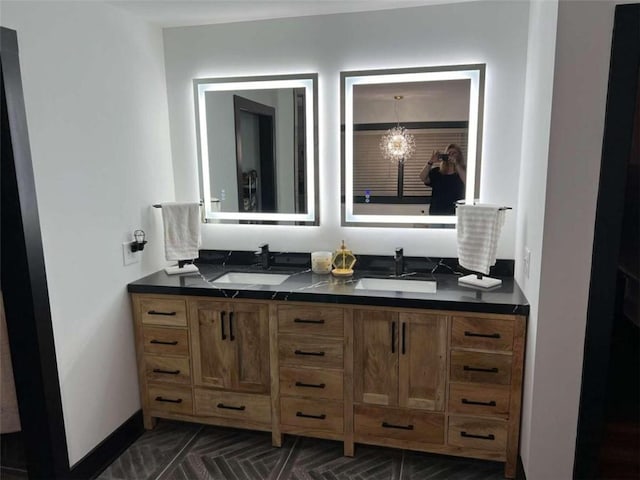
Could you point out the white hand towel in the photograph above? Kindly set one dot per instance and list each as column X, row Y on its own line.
column 181, row 230
column 479, row 229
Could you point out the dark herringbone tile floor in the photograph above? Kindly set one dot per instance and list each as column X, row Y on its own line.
column 185, row 451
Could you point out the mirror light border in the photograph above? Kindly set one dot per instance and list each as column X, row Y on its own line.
column 475, row 73
column 307, row 81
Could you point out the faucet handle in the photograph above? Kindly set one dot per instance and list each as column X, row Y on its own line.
column 399, row 251
column 264, row 247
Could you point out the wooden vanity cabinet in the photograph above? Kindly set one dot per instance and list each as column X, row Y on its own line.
column 428, row 380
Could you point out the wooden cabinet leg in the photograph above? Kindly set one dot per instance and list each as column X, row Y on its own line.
column 510, row 468
column 276, row 439
column 149, row 422
column 348, row 449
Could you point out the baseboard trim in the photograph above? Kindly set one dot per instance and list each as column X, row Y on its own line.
column 520, row 475
column 105, row 453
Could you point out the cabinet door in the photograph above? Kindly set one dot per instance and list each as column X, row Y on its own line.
column 211, row 347
column 422, row 371
column 249, row 334
column 376, row 357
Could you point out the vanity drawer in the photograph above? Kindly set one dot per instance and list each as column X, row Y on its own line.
column 166, row 341
column 480, row 367
column 479, row 400
column 241, row 406
column 163, row 311
column 398, row 424
column 478, row 433
column 307, row 382
column 167, row 369
column 170, row 399
column 311, row 320
column 482, row 333
column 312, row 414
column 297, row 350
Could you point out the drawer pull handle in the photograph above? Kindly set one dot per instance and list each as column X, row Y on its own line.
column 401, row 427
column 467, row 368
column 492, row 403
column 168, row 314
column 231, row 407
column 222, row 334
column 491, row 436
column 160, row 342
column 404, row 337
column 303, row 320
column 311, row 385
column 231, row 336
column 170, row 372
column 484, row 335
column 393, row 337
column 315, row 354
column 306, row 415
column 161, row 399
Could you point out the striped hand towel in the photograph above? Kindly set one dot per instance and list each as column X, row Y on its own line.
column 479, row 229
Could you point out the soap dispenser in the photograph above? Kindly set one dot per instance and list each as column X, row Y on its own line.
column 343, row 262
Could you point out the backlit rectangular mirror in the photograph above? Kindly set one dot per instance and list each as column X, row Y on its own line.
column 394, row 121
column 257, row 149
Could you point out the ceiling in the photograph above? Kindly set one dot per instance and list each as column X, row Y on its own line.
column 175, row 13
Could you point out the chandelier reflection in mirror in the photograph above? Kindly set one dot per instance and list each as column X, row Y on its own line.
column 397, row 145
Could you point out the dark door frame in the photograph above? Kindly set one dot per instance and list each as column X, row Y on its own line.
column 24, row 284
column 616, row 148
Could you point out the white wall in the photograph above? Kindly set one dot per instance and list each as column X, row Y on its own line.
column 97, row 115
column 558, row 285
column 494, row 33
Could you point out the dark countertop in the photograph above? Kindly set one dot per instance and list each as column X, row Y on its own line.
column 305, row 286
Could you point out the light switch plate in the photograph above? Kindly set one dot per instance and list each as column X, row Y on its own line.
column 128, row 256
column 527, row 261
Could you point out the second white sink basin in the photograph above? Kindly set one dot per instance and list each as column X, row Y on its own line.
column 249, row 278
column 396, row 285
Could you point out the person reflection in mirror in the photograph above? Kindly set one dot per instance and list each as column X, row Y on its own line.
column 446, row 174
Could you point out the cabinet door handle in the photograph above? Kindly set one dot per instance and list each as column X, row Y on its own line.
column 161, row 342
column 310, row 385
column 170, row 372
column 484, row 335
column 491, row 436
column 306, row 415
column 478, row 369
column 404, row 337
column 231, row 407
column 231, row 337
column 492, row 403
column 315, row 354
column 168, row 314
column 393, row 337
column 303, row 320
column 162, row 399
column 222, row 334
column 401, row 427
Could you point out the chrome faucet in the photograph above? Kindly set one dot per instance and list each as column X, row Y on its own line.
column 265, row 256
column 398, row 261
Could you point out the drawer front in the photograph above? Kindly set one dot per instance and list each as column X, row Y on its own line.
column 482, row 333
column 399, row 424
column 480, row 368
column 296, row 350
column 241, row 406
column 166, row 341
column 479, row 400
column 316, row 383
column 170, row 399
column 163, row 311
column 311, row 320
column 167, row 369
column 478, row 433
column 312, row 414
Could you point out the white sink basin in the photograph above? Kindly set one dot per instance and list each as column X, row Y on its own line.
column 396, row 285
column 248, row 278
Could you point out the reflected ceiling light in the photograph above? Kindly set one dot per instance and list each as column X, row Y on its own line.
column 397, row 145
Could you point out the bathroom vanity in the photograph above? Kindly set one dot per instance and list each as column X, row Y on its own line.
column 315, row 356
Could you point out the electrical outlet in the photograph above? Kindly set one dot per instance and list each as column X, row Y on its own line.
column 128, row 256
column 527, row 261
